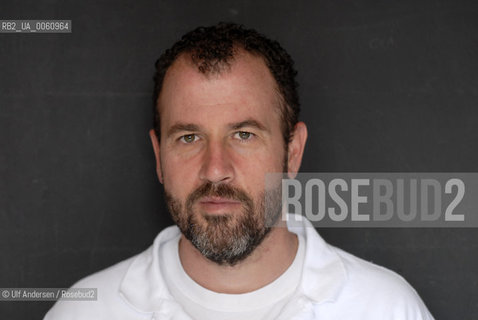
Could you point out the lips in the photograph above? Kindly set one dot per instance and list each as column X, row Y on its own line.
column 218, row 204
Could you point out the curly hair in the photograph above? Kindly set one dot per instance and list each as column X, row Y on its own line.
column 212, row 49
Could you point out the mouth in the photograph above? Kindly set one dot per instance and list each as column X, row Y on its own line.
column 218, row 205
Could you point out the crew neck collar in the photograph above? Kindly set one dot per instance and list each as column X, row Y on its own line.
column 323, row 276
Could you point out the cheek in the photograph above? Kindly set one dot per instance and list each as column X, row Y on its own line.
column 267, row 161
column 252, row 173
column 179, row 177
column 176, row 178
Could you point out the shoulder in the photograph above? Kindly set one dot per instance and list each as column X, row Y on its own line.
column 106, row 282
column 122, row 289
column 362, row 272
column 108, row 304
column 344, row 286
column 378, row 292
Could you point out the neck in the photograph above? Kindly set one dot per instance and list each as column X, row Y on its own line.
column 265, row 264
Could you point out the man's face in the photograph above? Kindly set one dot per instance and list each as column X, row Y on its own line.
column 220, row 135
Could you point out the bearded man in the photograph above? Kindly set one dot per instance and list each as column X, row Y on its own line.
column 225, row 115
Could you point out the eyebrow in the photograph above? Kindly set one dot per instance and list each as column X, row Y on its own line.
column 178, row 127
column 248, row 123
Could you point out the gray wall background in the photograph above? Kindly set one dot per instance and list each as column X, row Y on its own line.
column 385, row 86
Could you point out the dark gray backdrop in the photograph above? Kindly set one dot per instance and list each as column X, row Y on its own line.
column 385, row 86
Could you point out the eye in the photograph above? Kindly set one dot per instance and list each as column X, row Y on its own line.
column 188, row 138
column 243, row 135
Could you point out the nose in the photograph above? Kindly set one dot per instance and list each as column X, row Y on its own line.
column 217, row 165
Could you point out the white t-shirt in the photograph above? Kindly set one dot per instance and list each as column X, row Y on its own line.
column 333, row 285
column 203, row 304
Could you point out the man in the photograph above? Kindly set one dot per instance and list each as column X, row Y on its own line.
column 226, row 114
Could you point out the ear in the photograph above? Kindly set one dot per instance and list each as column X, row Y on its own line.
column 157, row 153
column 296, row 149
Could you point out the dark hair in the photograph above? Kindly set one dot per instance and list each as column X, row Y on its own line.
column 212, row 48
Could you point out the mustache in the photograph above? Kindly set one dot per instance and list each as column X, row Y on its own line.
column 222, row 190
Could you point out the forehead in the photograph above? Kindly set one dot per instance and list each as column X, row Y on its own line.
column 245, row 85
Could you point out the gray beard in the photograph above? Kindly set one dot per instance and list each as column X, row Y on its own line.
column 229, row 238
